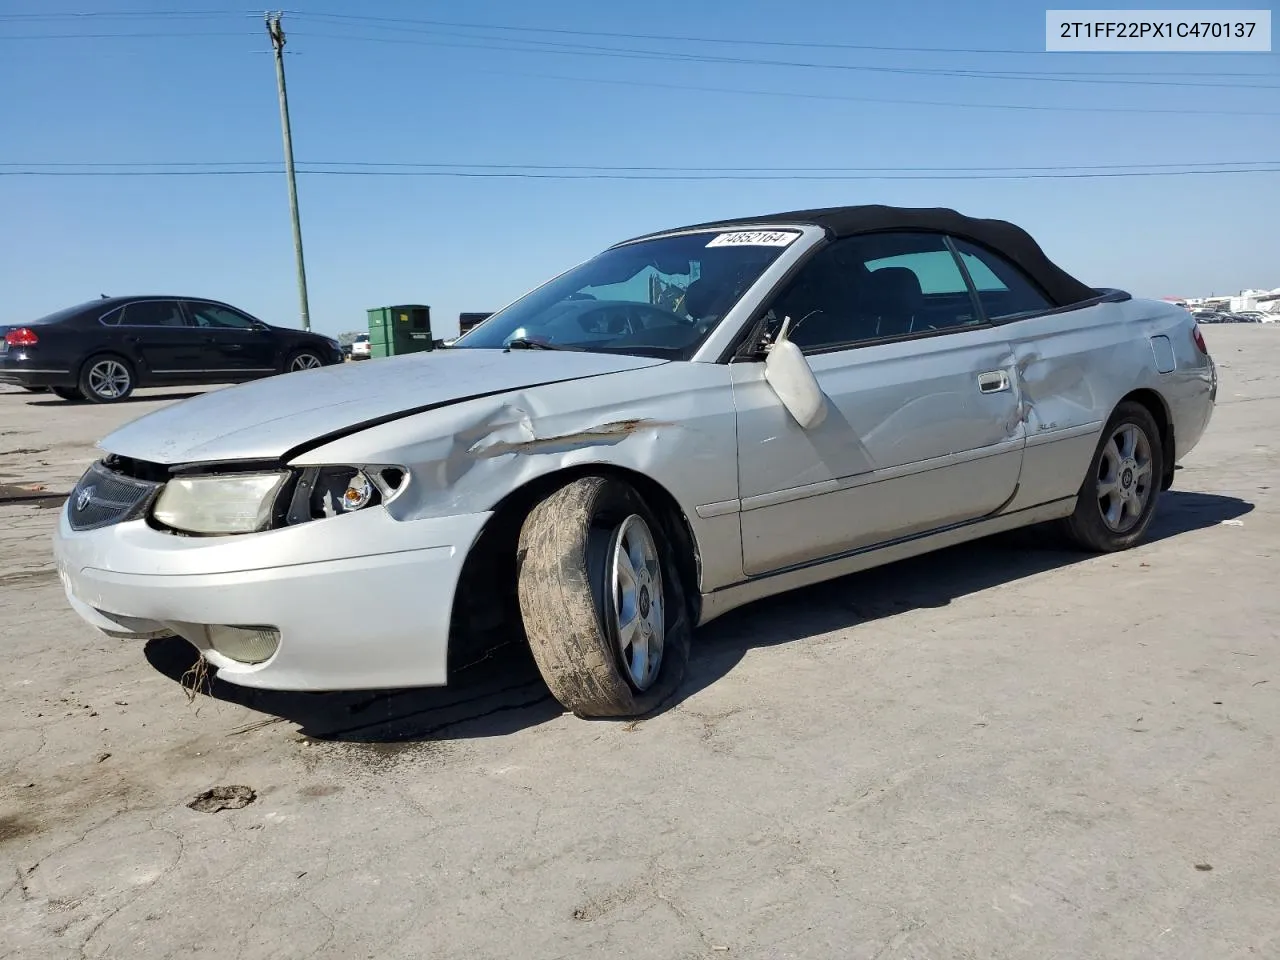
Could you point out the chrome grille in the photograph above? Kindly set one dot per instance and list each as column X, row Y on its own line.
column 103, row 497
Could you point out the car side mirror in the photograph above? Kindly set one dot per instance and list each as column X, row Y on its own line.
column 789, row 376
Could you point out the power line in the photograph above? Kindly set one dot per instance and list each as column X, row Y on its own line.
column 800, row 44
column 1122, row 78
column 635, row 54
column 120, row 36
column 569, row 167
column 900, row 101
column 74, row 16
column 409, row 22
column 689, row 177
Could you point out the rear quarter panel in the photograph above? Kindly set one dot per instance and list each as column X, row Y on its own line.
column 1075, row 367
column 66, row 344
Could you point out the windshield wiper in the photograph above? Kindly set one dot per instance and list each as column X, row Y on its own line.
column 524, row 343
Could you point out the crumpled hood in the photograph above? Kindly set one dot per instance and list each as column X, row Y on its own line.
column 264, row 419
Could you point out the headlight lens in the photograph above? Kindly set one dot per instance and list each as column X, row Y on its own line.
column 227, row 503
column 248, row 502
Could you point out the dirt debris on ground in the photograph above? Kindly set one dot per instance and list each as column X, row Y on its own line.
column 217, row 799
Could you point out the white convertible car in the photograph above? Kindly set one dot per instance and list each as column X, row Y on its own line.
column 685, row 423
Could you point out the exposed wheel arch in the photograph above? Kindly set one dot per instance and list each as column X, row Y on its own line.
column 479, row 624
column 1159, row 410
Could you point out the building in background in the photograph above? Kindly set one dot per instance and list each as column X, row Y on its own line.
column 1262, row 301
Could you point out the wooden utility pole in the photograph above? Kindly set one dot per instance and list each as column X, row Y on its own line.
column 276, row 32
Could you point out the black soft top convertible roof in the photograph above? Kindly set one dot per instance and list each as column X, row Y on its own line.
column 1002, row 237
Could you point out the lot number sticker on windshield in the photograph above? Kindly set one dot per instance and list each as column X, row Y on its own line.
column 753, row 238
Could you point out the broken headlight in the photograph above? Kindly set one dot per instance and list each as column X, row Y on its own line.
column 219, row 504
column 331, row 491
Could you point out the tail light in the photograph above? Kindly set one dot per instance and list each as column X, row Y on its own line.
column 1198, row 337
column 22, row 337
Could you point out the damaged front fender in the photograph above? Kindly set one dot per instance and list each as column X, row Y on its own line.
column 523, row 438
column 675, row 427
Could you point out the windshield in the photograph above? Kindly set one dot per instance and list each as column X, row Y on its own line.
column 657, row 298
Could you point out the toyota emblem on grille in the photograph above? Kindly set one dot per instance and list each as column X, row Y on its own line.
column 85, row 497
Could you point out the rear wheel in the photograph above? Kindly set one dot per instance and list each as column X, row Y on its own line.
column 1118, row 497
column 68, row 393
column 106, row 379
column 602, row 601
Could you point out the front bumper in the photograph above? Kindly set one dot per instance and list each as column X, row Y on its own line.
column 361, row 601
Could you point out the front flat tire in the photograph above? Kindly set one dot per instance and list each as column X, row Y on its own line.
column 601, row 598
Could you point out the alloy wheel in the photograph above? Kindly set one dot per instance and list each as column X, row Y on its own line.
column 1124, row 477
column 110, row 379
column 304, row 361
column 637, row 612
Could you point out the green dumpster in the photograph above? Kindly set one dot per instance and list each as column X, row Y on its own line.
column 397, row 330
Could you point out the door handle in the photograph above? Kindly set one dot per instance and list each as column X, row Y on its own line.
column 994, row 381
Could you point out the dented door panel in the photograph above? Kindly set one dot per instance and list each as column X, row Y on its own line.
column 911, row 442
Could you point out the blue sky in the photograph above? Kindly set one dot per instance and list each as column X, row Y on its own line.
column 372, row 91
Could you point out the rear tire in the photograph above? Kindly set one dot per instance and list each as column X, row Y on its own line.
column 601, row 598
column 70, row 394
column 1118, row 497
column 107, row 378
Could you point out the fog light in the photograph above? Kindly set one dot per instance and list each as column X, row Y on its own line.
column 244, row 644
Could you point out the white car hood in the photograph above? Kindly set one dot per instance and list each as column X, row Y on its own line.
column 266, row 419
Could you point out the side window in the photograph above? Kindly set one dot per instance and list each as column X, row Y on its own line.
column 212, row 315
column 875, row 287
column 1004, row 291
column 152, row 313
column 113, row 318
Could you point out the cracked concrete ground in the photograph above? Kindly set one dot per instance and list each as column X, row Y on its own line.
column 1005, row 750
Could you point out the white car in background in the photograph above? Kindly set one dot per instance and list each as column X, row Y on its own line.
column 360, row 347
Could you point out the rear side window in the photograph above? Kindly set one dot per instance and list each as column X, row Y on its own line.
column 212, row 315
column 935, row 270
column 152, row 313
column 1004, row 291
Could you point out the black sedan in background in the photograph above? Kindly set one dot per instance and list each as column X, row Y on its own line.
column 102, row 350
